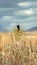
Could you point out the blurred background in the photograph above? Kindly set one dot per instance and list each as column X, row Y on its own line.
column 14, row 12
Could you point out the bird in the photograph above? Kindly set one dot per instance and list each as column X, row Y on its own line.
column 18, row 27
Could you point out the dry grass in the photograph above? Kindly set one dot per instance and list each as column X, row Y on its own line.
column 18, row 48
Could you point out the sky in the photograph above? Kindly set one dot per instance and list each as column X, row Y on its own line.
column 14, row 12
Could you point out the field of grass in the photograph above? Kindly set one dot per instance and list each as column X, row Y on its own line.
column 18, row 48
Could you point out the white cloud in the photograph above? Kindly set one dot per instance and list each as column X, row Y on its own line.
column 25, row 12
column 12, row 24
column 27, row 21
column 28, row 12
column 8, row 17
column 23, row 4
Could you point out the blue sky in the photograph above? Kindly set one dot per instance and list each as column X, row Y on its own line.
column 22, row 12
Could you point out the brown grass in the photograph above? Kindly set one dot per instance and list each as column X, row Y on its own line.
column 18, row 48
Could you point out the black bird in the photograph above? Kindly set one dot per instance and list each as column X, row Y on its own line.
column 18, row 27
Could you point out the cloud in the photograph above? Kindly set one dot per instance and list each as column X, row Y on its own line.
column 24, row 12
column 11, row 24
column 27, row 11
column 19, row 12
column 6, row 9
column 23, row 4
column 31, row 20
column 7, row 17
column 27, row 21
column 6, row 12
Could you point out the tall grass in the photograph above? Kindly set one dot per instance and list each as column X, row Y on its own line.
column 17, row 53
